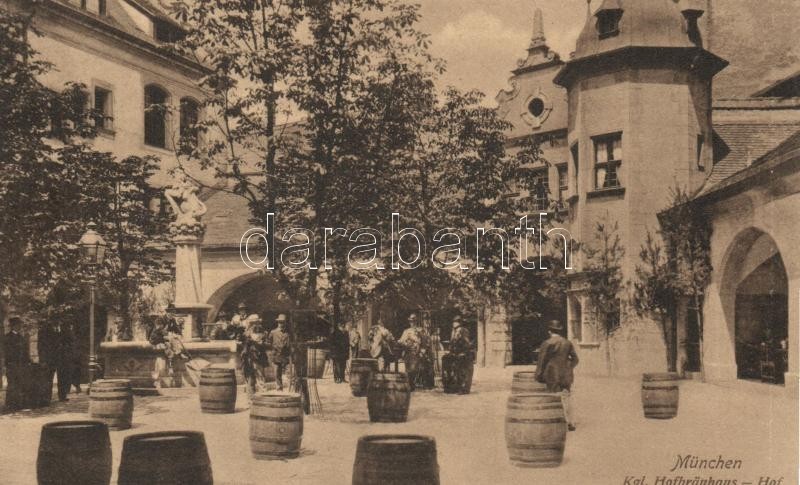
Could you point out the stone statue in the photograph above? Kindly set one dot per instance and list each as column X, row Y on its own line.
column 182, row 196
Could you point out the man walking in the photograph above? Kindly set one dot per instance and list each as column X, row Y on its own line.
column 280, row 349
column 557, row 358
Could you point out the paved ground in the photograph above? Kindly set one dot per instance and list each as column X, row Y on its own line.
column 755, row 423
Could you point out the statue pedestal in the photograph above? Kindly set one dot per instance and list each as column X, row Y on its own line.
column 188, row 239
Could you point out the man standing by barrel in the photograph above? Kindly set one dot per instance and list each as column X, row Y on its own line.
column 413, row 342
column 280, row 349
column 557, row 358
column 340, row 349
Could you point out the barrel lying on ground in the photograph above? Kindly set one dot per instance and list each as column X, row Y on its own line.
column 165, row 458
column 276, row 426
column 72, row 452
column 217, row 390
column 525, row 383
column 111, row 401
column 396, row 460
column 388, row 397
column 361, row 371
column 660, row 395
column 536, row 430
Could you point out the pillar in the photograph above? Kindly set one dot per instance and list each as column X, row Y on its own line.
column 189, row 304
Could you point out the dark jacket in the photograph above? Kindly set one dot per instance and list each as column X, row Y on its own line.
column 340, row 345
column 557, row 358
column 16, row 349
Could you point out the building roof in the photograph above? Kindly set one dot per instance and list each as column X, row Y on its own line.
column 785, row 88
column 785, row 154
column 227, row 219
column 122, row 27
column 644, row 23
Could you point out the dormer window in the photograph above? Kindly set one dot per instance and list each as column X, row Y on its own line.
column 94, row 6
column 608, row 21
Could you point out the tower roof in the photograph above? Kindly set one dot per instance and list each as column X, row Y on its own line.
column 641, row 23
column 621, row 32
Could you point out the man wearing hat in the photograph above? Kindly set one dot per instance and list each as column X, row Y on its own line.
column 557, row 358
column 16, row 352
column 280, row 350
column 240, row 318
column 461, row 350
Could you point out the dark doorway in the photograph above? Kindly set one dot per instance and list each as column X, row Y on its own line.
column 693, row 334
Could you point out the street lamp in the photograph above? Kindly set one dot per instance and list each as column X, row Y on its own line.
column 93, row 248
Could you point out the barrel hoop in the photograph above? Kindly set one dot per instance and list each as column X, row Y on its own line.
column 276, row 418
column 536, row 421
column 208, row 401
column 660, row 388
column 660, row 406
column 118, row 398
column 126, row 390
column 290, row 454
column 537, row 446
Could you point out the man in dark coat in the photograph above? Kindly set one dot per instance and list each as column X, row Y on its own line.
column 557, row 358
column 340, row 349
column 17, row 356
column 55, row 349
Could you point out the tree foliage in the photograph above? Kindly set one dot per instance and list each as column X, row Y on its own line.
column 52, row 183
column 676, row 269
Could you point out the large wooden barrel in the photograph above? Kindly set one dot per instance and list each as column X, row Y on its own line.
column 74, row 452
column 361, row 371
column 316, row 362
column 396, row 460
column 660, row 395
column 526, row 383
column 536, row 430
column 111, row 401
column 165, row 458
column 276, row 426
column 217, row 390
column 388, row 397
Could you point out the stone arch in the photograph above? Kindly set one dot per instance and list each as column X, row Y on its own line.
column 754, row 297
column 247, row 284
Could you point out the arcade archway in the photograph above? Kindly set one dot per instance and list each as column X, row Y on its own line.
column 756, row 284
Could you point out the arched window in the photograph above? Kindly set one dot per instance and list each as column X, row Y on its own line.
column 155, row 116
column 189, row 117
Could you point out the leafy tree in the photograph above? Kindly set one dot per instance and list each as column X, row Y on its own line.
column 351, row 77
column 604, row 280
column 52, row 183
column 675, row 270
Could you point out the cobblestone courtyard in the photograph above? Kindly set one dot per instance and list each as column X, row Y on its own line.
column 754, row 423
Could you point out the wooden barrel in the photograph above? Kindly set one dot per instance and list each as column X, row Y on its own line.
column 361, row 371
column 526, row 383
column 111, row 401
column 74, row 452
column 316, row 362
column 396, row 460
column 217, row 390
column 457, row 374
column 276, row 426
column 660, row 395
column 388, row 397
column 165, row 458
column 535, row 430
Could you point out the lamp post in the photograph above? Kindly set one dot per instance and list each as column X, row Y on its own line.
column 93, row 248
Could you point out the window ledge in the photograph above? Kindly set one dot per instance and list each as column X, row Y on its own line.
column 589, row 345
column 610, row 192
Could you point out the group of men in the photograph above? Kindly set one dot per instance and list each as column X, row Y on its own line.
column 57, row 351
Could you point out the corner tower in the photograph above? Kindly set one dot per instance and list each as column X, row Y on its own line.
column 639, row 124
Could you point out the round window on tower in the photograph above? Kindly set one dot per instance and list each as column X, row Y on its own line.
column 536, row 107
